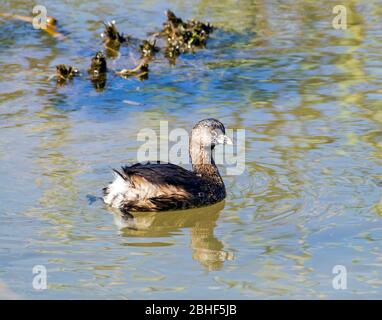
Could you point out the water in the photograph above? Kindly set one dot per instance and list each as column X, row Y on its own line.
column 309, row 98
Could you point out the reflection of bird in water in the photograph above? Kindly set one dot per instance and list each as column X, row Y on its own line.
column 206, row 248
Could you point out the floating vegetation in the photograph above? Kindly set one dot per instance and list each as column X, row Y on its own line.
column 148, row 49
column 183, row 37
column 65, row 73
column 171, row 53
column 51, row 23
column 112, row 39
column 111, row 34
column 180, row 37
column 99, row 82
column 97, row 71
column 98, row 64
column 141, row 71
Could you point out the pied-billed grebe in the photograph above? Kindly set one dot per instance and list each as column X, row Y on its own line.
column 162, row 187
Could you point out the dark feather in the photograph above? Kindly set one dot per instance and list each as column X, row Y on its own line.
column 165, row 174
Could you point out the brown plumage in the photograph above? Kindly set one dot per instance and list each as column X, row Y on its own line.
column 165, row 186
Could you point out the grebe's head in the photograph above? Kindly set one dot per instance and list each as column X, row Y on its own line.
column 208, row 133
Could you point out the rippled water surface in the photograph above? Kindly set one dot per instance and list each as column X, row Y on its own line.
column 309, row 98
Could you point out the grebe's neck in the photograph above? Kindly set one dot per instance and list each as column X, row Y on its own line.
column 203, row 162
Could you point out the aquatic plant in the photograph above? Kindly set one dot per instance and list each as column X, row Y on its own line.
column 97, row 71
column 148, row 49
column 141, row 71
column 183, row 36
column 51, row 23
column 98, row 64
column 171, row 53
column 65, row 73
column 180, row 37
column 112, row 39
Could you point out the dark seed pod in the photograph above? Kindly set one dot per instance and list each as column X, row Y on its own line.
column 98, row 64
column 97, row 71
column 148, row 49
column 111, row 37
column 65, row 73
column 172, row 18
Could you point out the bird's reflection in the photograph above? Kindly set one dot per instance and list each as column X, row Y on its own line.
column 205, row 246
